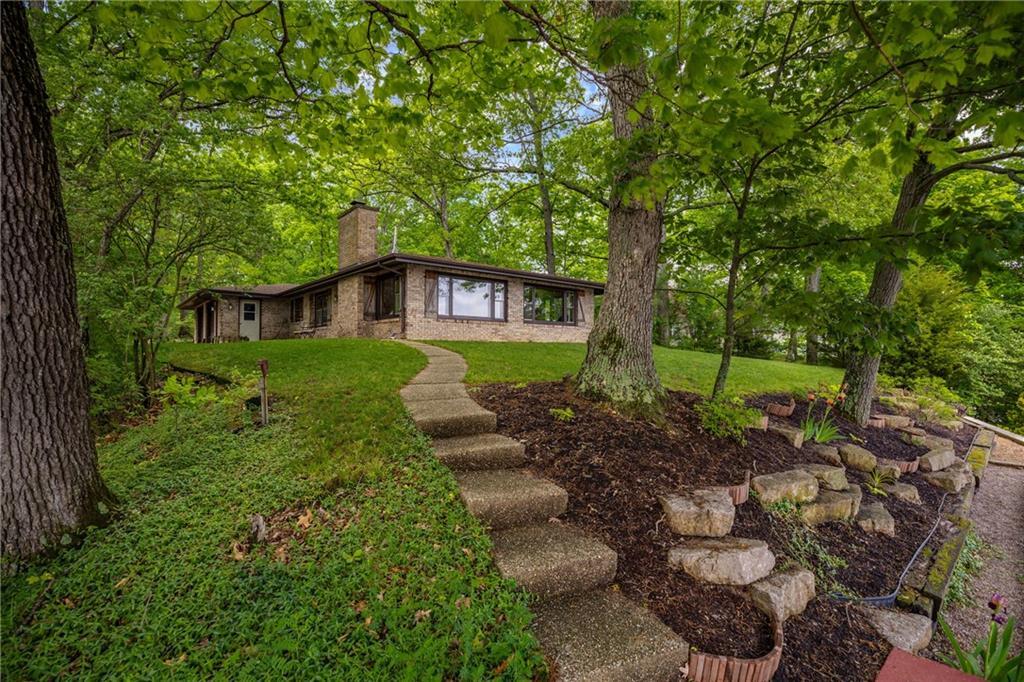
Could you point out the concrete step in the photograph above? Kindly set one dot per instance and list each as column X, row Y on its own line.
column 601, row 635
column 552, row 559
column 415, row 392
column 454, row 417
column 480, row 451
column 510, row 497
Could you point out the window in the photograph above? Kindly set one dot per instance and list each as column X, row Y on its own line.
column 249, row 312
column 478, row 299
column 297, row 309
column 389, row 297
column 551, row 306
column 321, row 308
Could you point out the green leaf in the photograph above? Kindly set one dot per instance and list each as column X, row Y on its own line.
column 497, row 30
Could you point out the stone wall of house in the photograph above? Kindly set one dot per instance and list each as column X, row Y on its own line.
column 418, row 325
column 227, row 318
column 275, row 318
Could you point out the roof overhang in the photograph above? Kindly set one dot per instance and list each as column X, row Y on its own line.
column 214, row 293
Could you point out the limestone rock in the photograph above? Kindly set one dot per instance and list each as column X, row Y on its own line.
column 856, row 457
column 888, row 466
column 829, row 478
column 723, row 561
column 938, row 443
column 827, row 453
column 908, row 631
column 793, row 436
column 952, row 479
column 795, row 485
column 903, row 491
column 985, row 438
column 875, row 518
column 895, row 421
column 832, row 506
column 705, row 513
column 784, row 594
column 936, row 460
column 913, row 435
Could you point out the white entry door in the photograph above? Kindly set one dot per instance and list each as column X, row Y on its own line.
column 249, row 323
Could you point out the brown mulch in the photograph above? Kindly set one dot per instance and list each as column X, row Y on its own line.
column 614, row 469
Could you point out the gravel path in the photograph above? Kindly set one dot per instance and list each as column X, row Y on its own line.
column 998, row 515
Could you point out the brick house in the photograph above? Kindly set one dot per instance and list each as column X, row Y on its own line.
column 399, row 295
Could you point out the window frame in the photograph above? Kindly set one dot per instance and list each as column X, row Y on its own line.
column 245, row 311
column 327, row 308
column 570, row 301
column 378, row 295
column 297, row 316
column 492, row 283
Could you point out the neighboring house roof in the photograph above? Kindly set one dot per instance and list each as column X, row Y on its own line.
column 383, row 263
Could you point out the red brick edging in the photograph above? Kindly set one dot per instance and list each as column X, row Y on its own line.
column 908, row 467
column 713, row 668
column 780, row 410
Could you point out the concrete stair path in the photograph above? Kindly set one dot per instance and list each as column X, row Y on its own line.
column 587, row 630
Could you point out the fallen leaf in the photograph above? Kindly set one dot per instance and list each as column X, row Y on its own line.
column 468, row 552
column 369, row 619
column 122, row 582
column 360, row 606
column 237, row 552
column 462, row 602
column 421, row 614
column 281, row 553
column 69, row 602
column 501, row 667
column 175, row 661
column 306, row 519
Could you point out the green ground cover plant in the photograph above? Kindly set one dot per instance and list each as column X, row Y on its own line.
column 381, row 575
column 679, row 369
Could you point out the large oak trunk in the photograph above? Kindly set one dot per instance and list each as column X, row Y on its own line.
column 619, row 366
column 862, row 372
column 51, row 485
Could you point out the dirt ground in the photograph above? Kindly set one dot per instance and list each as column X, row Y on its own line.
column 998, row 516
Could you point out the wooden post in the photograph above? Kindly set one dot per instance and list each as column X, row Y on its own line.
column 264, row 402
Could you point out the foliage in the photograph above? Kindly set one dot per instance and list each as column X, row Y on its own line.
column 805, row 549
column 512, row 362
column 380, row 568
column 876, row 480
column 968, row 566
column 726, row 417
column 991, row 658
column 562, row 414
column 822, row 429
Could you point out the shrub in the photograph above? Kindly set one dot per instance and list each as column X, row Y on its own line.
column 726, row 417
column 562, row 414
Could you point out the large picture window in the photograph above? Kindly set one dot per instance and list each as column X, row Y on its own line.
column 389, row 297
column 550, row 306
column 321, row 308
column 462, row 297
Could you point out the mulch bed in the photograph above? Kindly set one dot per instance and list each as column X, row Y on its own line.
column 615, row 468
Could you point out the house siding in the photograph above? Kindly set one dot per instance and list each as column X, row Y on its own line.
column 419, row 325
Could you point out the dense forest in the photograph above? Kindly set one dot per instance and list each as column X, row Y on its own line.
column 784, row 170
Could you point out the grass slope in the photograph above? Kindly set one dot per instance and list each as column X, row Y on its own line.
column 679, row 369
column 391, row 580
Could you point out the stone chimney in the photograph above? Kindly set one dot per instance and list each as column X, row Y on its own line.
column 357, row 234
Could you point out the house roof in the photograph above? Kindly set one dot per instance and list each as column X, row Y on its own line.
column 385, row 263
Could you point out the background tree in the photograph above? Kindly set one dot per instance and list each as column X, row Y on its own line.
column 51, row 486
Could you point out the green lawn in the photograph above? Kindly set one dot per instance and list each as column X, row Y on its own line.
column 391, row 580
column 679, row 369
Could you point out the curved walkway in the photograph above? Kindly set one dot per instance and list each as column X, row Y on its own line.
column 586, row 628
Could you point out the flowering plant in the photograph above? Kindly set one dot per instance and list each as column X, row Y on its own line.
column 990, row 658
column 822, row 430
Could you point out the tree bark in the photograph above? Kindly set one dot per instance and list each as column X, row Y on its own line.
column 730, row 321
column 546, row 207
column 813, row 286
column 862, row 373
column 619, row 366
column 51, row 485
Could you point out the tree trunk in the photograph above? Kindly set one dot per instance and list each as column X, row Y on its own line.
column 813, row 286
column 792, row 353
column 862, row 372
column 51, row 486
column 730, row 321
column 619, row 365
column 547, row 210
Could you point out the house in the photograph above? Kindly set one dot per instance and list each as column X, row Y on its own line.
column 399, row 295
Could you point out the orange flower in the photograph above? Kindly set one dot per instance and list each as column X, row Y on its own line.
column 810, row 395
column 841, row 396
column 829, row 401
